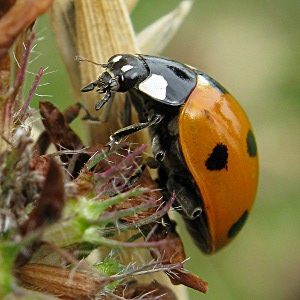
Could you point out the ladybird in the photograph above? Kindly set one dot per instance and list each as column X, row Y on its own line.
column 200, row 135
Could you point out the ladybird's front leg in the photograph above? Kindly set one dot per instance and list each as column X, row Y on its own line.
column 121, row 133
column 126, row 116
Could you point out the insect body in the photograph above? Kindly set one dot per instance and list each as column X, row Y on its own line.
column 199, row 133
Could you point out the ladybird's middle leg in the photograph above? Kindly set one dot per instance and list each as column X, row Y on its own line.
column 186, row 195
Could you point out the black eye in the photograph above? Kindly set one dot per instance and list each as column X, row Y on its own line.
column 128, row 80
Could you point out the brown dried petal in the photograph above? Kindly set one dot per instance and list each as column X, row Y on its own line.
column 174, row 253
column 18, row 19
column 179, row 276
column 69, row 115
column 58, row 129
column 48, row 209
column 62, row 136
column 6, row 6
column 136, row 290
column 40, row 164
column 51, row 201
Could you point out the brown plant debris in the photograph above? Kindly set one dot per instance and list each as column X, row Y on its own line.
column 17, row 19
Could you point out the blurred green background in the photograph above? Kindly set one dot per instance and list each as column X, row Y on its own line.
column 253, row 49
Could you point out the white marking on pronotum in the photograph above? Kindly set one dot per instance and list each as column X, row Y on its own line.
column 117, row 58
column 202, row 80
column 155, row 86
column 126, row 68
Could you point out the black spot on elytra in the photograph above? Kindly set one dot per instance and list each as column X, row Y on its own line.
column 251, row 144
column 237, row 226
column 217, row 160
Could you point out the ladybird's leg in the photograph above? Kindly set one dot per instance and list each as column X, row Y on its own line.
column 138, row 104
column 86, row 117
column 186, row 196
column 159, row 146
column 157, row 150
column 126, row 117
column 137, row 174
column 119, row 134
column 105, row 115
column 148, row 162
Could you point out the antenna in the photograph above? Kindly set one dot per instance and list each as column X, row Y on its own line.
column 80, row 58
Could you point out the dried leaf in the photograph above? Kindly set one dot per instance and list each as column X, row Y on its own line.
column 47, row 210
column 154, row 38
column 59, row 281
column 179, row 276
column 71, row 284
column 40, row 164
column 62, row 136
column 43, row 141
column 173, row 254
column 58, row 129
column 137, row 290
column 6, row 6
column 51, row 202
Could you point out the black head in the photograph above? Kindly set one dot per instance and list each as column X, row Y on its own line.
column 122, row 73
